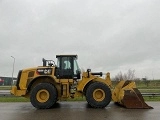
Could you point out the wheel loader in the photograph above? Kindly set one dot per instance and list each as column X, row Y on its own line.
column 49, row 83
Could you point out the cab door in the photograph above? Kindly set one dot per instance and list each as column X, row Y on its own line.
column 65, row 68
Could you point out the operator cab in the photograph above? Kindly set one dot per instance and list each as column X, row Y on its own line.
column 67, row 67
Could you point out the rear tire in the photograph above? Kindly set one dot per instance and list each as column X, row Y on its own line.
column 98, row 95
column 43, row 96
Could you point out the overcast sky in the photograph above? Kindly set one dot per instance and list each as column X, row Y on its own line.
column 107, row 35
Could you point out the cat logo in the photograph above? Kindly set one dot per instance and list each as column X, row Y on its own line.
column 44, row 71
column 47, row 71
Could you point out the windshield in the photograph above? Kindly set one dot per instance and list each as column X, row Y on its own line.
column 76, row 67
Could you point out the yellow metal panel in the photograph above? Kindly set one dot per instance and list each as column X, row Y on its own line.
column 16, row 92
column 23, row 80
column 118, row 91
column 65, row 89
column 85, row 79
column 66, row 80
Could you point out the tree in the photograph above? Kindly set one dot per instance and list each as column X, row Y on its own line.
column 146, row 81
column 130, row 75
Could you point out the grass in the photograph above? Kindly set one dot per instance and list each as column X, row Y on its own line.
column 22, row 99
column 149, row 87
column 5, row 87
column 13, row 99
column 149, row 90
column 152, row 98
column 155, row 98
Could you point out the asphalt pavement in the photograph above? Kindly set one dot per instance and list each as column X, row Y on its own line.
column 76, row 111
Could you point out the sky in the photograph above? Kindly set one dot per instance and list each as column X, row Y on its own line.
column 107, row 35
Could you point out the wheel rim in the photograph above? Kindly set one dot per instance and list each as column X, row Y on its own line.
column 98, row 95
column 42, row 95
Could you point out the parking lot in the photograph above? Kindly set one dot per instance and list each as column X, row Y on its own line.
column 76, row 111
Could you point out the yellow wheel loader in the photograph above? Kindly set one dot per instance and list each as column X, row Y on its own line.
column 47, row 84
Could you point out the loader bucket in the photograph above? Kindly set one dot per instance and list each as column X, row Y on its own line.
column 127, row 95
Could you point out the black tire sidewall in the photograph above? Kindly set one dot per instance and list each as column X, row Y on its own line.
column 92, row 101
column 52, row 96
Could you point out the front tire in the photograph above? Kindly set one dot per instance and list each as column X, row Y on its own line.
column 98, row 95
column 43, row 96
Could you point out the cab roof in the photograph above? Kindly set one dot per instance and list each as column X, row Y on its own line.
column 66, row 56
